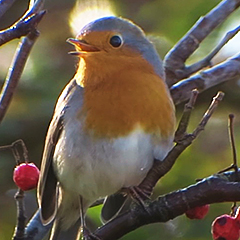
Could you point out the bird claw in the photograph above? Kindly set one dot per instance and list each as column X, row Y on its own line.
column 139, row 196
column 87, row 235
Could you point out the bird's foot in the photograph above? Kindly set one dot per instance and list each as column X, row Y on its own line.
column 139, row 196
column 87, row 235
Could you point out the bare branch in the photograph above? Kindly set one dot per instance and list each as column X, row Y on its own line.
column 21, row 54
column 225, row 71
column 234, row 165
column 176, row 58
column 19, row 233
column 35, row 6
column 21, row 28
column 232, row 140
column 183, row 124
column 15, row 71
column 160, row 168
column 215, row 189
column 208, row 114
column 13, row 146
column 189, row 70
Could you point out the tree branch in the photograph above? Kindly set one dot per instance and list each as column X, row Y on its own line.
column 207, row 60
column 160, row 168
column 215, row 189
column 225, row 71
column 21, row 28
column 177, row 56
column 15, row 72
column 28, row 22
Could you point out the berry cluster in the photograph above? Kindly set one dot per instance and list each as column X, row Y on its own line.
column 224, row 227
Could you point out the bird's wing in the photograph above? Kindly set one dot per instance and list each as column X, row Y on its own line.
column 48, row 183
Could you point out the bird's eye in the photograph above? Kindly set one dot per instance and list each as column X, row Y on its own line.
column 116, row 41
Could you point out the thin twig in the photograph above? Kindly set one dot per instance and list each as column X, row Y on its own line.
column 225, row 71
column 35, row 6
column 234, row 165
column 231, row 138
column 160, row 168
column 21, row 28
column 188, row 107
column 13, row 148
column 189, row 70
column 19, row 233
column 208, row 114
column 177, row 56
column 15, row 72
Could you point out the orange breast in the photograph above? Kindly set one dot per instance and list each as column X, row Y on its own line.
column 115, row 105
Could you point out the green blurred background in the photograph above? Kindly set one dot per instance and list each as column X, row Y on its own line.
column 49, row 68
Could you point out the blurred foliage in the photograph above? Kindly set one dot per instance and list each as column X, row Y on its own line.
column 49, row 68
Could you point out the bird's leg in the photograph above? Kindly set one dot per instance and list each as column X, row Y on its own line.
column 82, row 217
column 84, row 230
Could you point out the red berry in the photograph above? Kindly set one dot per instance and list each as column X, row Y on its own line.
column 26, row 176
column 225, row 227
column 197, row 212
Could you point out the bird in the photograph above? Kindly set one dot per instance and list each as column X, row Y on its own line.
column 111, row 121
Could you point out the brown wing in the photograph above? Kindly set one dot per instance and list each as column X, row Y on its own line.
column 48, row 183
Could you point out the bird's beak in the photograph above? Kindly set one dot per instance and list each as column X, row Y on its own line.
column 81, row 46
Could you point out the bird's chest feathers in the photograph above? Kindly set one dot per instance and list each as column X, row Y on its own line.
column 123, row 100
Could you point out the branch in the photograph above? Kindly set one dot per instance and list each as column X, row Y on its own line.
column 207, row 60
column 21, row 54
column 225, row 71
column 160, row 168
column 176, row 58
column 21, row 28
column 215, row 189
column 15, row 71
column 19, row 233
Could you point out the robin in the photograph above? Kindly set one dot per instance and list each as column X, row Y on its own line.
column 110, row 122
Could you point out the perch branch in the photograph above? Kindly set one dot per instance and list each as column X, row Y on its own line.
column 215, row 189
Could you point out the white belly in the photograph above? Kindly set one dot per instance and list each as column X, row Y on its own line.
column 96, row 168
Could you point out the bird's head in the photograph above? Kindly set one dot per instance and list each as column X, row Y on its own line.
column 115, row 41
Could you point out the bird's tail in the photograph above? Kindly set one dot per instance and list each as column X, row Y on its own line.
column 67, row 223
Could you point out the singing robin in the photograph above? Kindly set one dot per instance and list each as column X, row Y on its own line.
column 110, row 122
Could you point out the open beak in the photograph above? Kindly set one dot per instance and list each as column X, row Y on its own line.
column 81, row 46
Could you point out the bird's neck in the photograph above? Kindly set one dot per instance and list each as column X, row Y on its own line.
column 116, row 102
column 92, row 72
